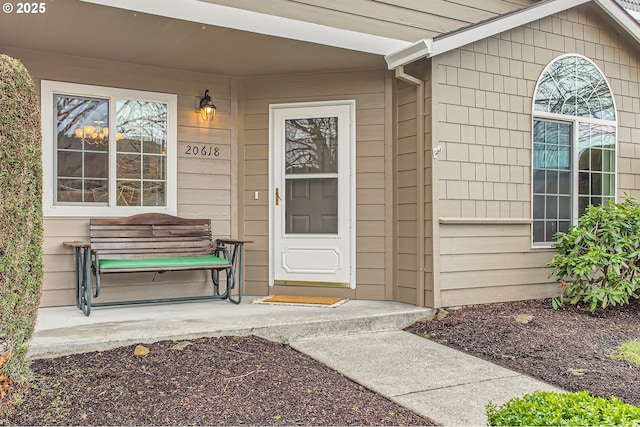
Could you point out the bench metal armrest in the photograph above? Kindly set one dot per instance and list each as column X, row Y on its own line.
column 233, row 241
column 77, row 244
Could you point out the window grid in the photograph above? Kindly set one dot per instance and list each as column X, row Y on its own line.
column 551, row 179
column 81, row 148
column 574, row 145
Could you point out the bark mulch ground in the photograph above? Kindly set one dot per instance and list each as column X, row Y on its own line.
column 251, row 381
column 569, row 348
column 212, row 381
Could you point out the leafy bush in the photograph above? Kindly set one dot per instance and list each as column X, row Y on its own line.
column 598, row 260
column 543, row 408
column 20, row 219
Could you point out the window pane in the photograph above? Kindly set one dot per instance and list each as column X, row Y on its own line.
column 552, row 207
column 596, row 159
column 129, row 166
column 154, row 167
column 69, row 164
column 552, row 182
column 583, row 183
column 69, row 190
column 551, row 177
column 538, row 231
column 538, row 207
column 312, row 206
column 538, row 181
column 564, row 134
column 572, row 85
column 128, row 193
column 585, row 159
column 583, row 203
column 564, row 183
column 311, row 145
column 96, row 191
column 564, row 207
column 551, row 228
column 142, row 153
column 82, row 147
column 154, row 193
column 96, row 165
column 596, row 184
column 608, row 160
column 538, row 155
column 126, row 145
column 564, row 158
column 597, row 162
column 608, row 184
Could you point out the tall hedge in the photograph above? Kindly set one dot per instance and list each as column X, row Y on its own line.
column 20, row 220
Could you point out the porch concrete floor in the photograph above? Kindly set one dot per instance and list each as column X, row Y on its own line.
column 361, row 339
column 65, row 330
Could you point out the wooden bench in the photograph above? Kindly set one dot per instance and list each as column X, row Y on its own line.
column 155, row 243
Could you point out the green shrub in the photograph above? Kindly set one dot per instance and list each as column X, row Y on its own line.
column 598, row 260
column 543, row 408
column 20, row 218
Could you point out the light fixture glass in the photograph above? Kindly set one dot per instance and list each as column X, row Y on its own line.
column 207, row 108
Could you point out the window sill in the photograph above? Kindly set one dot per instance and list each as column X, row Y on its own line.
column 97, row 212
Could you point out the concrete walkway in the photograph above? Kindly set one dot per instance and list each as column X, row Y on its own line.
column 361, row 339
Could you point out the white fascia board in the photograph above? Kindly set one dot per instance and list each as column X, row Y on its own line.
column 261, row 23
column 625, row 19
column 418, row 50
column 473, row 33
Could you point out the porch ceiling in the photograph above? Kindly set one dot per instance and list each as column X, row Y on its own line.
column 76, row 28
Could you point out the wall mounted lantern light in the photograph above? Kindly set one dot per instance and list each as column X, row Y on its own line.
column 207, row 109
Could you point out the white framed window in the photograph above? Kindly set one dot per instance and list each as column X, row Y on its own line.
column 574, row 145
column 107, row 151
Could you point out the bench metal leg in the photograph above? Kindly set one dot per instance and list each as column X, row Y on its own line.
column 83, row 279
column 235, row 274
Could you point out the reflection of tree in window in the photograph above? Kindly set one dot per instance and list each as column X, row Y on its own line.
column 577, row 169
column 573, row 86
column 311, row 145
column 141, row 153
column 82, row 147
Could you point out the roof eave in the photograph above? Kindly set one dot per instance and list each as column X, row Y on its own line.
column 261, row 23
column 456, row 39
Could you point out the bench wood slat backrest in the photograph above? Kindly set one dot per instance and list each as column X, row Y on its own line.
column 150, row 235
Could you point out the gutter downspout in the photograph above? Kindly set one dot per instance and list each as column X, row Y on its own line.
column 420, row 180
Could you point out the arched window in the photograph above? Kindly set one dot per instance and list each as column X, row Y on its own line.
column 574, row 145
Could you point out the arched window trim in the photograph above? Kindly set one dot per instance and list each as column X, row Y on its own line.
column 575, row 122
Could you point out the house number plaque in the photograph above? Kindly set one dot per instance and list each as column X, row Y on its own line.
column 205, row 151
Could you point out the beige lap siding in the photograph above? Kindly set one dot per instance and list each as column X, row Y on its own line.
column 205, row 186
column 374, row 192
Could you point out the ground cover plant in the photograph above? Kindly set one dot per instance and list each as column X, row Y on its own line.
column 543, row 408
column 20, row 223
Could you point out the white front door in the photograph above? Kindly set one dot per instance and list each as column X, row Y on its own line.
column 312, row 209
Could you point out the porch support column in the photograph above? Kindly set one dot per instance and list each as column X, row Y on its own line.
column 420, row 235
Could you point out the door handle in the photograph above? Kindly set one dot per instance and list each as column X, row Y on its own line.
column 278, row 196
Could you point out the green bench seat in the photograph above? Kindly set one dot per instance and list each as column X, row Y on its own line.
column 160, row 264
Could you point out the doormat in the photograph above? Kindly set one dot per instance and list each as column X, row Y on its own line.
column 302, row 300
